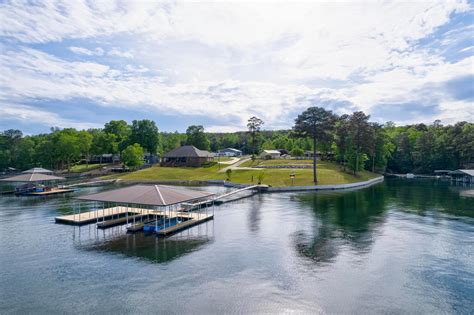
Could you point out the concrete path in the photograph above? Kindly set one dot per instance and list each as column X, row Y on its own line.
column 236, row 165
column 232, row 161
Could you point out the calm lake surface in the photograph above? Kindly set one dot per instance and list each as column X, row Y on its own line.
column 403, row 246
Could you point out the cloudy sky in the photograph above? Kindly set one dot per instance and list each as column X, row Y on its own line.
column 82, row 63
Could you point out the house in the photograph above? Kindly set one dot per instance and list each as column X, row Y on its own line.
column 187, row 155
column 270, row 154
column 229, row 152
column 104, row 158
column 465, row 176
column 151, row 158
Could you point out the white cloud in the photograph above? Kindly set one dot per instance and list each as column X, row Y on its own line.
column 233, row 60
column 84, row 51
column 117, row 52
column 29, row 114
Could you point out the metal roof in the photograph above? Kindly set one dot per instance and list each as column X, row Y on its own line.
column 32, row 177
column 230, row 149
column 271, row 152
column 468, row 172
column 187, row 151
column 155, row 195
column 38, row 170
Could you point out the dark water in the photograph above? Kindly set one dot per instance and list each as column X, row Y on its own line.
column 404, row 246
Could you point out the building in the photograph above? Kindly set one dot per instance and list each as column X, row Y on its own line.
column 464, row 176
column 105, row 158
column 270, row 154
column 229, row 152
column 187, row 155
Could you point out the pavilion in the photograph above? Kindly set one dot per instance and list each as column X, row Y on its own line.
column 171, row 208
column 36, row 182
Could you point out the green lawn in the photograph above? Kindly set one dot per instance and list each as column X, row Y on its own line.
column 259, row 162
column 84, row 168
column 328, row 173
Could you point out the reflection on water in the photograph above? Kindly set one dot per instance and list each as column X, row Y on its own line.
column 142, row 246
column 341, row 219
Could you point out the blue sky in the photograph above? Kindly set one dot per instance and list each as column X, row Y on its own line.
column 81, row 63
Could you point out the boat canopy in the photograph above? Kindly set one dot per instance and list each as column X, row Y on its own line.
column 155, row 195
column 32, row 177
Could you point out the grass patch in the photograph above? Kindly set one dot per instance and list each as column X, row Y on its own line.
column 223, row 159
column 275, row 162
column 328, row 174
column 84, row 168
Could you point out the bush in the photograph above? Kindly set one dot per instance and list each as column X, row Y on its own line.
column 132, row 156
column 229, row 174
column 297, row 152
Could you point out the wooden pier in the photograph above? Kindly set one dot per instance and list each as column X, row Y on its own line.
column 113, row 216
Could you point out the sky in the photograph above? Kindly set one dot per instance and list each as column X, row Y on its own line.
column 82, row 63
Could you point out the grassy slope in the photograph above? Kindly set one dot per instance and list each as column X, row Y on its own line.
column 83, row 167
column 277, row 162
column 328, row 173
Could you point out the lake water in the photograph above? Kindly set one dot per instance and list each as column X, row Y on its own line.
column 403, row 246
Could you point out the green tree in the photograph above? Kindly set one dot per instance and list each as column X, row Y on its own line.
column 26, row 152
column 342, row 139
column 254, row 124
column 145, row 133
column 361, row 134
column 132, row 156
column 104, row 143
column 195, row 136
column 121, row 130
column 318, row 124
column 297, row 152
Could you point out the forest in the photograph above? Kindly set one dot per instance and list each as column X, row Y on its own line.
column 352, row 140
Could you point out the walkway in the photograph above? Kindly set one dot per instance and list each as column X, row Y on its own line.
column 236, row 165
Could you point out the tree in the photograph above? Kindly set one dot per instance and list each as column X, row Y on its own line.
column 104, row 143
column 85, row 144
column 297, row 151
column 195, row 136
column 254, row 124
column 145, row 133
column 317, row 123
column 121, row 130
column 342, row 139
column 361, row 134
column 132, row 156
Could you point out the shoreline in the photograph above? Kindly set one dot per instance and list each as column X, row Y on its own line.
column 224, row 183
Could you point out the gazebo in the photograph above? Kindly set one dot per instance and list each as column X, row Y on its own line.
column 33, row 178
column 171, row 208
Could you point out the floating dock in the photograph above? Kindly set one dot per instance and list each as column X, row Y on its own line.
column 109, row 217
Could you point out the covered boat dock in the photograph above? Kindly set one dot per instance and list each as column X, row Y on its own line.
column 36, row 183
column 158, row 209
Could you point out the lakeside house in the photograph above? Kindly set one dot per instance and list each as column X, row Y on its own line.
column 229, row 152
column 187, row 155
column 106, row 158
column 270, row 154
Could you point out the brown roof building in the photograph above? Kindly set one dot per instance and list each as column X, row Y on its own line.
column 187, row 155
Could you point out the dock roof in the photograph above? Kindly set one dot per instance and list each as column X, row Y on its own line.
column 155, row 195
column 38, row 170
column 32, row 177
column 467, row 172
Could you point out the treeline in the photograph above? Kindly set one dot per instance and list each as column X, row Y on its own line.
column 351, row 140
